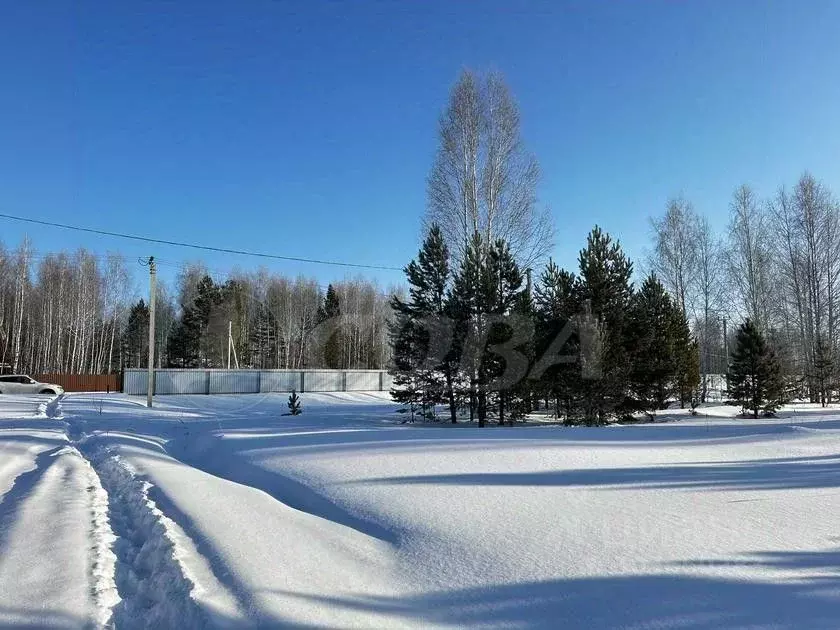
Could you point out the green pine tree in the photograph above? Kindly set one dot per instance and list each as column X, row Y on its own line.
column 330, row 313
column 135, row 341
column 687, row 356
column 755, row 380
column 652, row 343
column 556, row 372
column 424, row 364
column 294, row 404
column 606, row 291
column 469, row 300
column 406, row 358
column 509, row 307
column 188, row 345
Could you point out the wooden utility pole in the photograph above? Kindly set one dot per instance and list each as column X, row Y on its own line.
column 726, row 351
column 150, row 388
column 725, row 343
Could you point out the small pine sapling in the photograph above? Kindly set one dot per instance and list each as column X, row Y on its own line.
column 294, row 404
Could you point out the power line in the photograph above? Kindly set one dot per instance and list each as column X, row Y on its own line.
column 209, row 248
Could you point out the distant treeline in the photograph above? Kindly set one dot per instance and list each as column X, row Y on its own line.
column 75, row 312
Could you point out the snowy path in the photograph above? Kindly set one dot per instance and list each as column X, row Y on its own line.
column 220, row 512
column 47, row 512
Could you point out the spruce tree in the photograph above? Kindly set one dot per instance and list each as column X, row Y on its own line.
column 425, row 369
column 754, row 372
column 606, row 291
column 406, row 359
column 428, row 277
column 330, row 312
column 505, row 297
column 557, row 302
column 294, row 404
column 687, row 354
column 468, row 301
column 665, row 356
column 135, row 339
column 652, row 345
column 188, row 345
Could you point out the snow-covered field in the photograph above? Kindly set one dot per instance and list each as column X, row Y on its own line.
column 220, row 511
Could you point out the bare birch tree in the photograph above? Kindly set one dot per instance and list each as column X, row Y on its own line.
column 483, row 180
column 675, row 256
column 749, row 258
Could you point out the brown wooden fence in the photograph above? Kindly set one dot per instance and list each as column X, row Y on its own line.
column 83, row 382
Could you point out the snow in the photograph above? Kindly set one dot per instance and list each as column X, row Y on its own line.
column 219, row 511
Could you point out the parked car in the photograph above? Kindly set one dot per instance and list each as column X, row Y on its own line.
column 22, row 384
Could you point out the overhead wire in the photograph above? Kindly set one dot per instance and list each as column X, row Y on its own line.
column 210, row 248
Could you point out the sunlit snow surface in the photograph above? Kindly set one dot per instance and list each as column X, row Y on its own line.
column 213, row 511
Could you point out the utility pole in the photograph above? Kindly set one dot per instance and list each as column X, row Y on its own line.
column 725, row 344
column 230, row 340
column 150, row 388
column 726, row 351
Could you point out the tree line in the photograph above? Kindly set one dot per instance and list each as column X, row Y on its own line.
column 78, row 313
column 777, row 264
column 473, row 336
column 62, row 312
column 276, row 323
column 757, row 304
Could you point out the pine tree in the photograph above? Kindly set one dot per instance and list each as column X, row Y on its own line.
column 294, row 404
column 687, row 354
column 424, row 367
column 330, row 312
column 754, row 373
column 557, row 304
column 467, row 303
column 407, row 357
column 606, row 291
column 188, row 345
column 652, row 345
column 503, row 280
column 135, row 341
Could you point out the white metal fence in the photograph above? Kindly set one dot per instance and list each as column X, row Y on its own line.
column 197, row 381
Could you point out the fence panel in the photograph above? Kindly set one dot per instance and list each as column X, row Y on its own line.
column 198, row 381
column 134, row 382
column 280, row 380
column 323, row 381
column 180, row 382
column 234, row 382
column 362, row 381
column 82, row 382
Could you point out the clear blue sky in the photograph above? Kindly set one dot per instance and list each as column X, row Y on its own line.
column 308, row 128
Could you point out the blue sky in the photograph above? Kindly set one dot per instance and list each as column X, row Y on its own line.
column 308, row 128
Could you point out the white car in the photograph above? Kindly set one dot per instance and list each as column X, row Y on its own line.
column 22, row 384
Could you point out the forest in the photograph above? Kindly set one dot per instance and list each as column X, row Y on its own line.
column 79, row 313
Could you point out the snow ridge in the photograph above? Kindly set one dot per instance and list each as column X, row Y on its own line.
column 138, row 580
column 103, row 563
column 52, row 408
column 155, row 591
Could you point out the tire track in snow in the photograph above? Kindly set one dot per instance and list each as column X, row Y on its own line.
column 155, row 591
column 138, row 579
column 21, row 488
column 103, row 560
